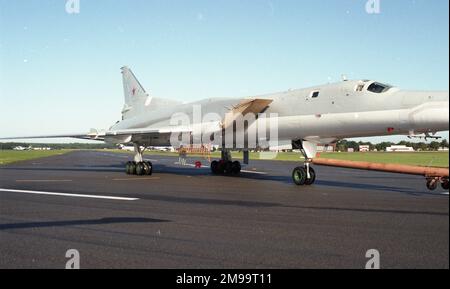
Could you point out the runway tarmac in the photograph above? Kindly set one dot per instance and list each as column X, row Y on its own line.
column 182, row 217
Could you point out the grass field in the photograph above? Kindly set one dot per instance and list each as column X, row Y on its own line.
column 7, row 156
column 433, row 159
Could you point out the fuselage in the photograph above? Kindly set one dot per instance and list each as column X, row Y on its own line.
column 329, row 112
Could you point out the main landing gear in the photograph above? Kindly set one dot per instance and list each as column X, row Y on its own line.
column 226, row 166
column 305, row 175
column 139, row 166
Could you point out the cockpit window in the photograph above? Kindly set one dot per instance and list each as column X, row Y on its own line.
column 378, row 87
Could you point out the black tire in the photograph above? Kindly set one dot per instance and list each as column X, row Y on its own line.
column 228, row 168
column 236, row 168
column 128, row 168
column 445, row 185
column 148, row 168
column 299, row 176
column 215, row 167
column 312, row 178
column 432, row 185
column 132, row 168
column 221, row 167
column 140, row 169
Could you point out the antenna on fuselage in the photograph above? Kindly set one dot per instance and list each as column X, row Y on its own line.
column 344, row 77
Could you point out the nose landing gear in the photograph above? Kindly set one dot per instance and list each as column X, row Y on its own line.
column 305, row 175
column 302, row 177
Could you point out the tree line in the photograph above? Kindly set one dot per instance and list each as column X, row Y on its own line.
column 60, row 146
column 344, row 145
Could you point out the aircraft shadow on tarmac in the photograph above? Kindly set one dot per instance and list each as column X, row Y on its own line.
column 217, row 202
column 103, row 221
column 188, row 171
column 268, row 204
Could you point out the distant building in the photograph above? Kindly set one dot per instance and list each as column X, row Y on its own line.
column 281, row 148
column 326, row 148
column 443, row 149
column 350, row 150
column 19, row 148
column 42, row 149
column 126, row 148
column 364, row 148
column 164, row 149
column 399, row 148
column 288, row 147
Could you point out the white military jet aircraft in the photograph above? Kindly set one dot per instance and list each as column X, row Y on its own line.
column 305, row 117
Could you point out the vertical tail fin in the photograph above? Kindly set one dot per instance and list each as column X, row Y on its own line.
column 135, row 95
column 137, row 100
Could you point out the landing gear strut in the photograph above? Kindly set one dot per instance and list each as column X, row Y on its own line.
column 139, row 166
column 305, row 175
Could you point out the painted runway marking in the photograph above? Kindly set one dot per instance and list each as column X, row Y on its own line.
column 254, row 172
column 42, row 181
column 69, row 195
column 136, row 179
column 190, row 165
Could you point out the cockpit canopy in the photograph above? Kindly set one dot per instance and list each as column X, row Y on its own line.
column 374, row 87
column 377, row 87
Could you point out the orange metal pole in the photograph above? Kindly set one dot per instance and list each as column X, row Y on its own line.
column 391, row 168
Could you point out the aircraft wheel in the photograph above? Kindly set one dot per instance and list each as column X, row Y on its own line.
column 132, row 168
column 215, row 167
column 221, row 167
column 148, row 168
column 140, row 169
column 236, row 168
column 445, row 184
column 432, row 184
column 228, row 168
column 312, row 178
column 128, row 168
column 299, row 176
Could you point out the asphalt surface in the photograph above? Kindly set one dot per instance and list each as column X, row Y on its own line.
column 183, row 217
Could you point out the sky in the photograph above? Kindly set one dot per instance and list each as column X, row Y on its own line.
column 60, row 72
